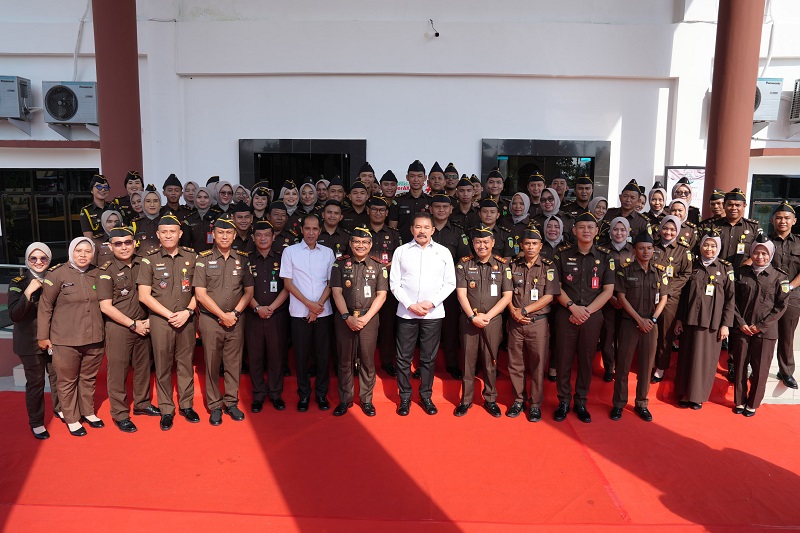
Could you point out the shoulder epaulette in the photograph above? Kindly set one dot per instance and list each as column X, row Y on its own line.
column 246, row 254
column 456, row 224
column 503, row 228
column 660, row 267
column 782, row 271
column 18, row 279
column 466, row 258
column 390, row 228
column 206, row 253
column 153, row 251
column 545, row 261
column 52, row 268
column 501, row 259
column 344, row 229
column 690, row 224
column 347, row 256
column 563, row 247
column 105, row 265
column 724, row 262
column 186, row 248
column 750, row 220
column 293, row 232
column 603, row 249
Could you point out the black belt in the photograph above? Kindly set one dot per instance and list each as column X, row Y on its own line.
column 361, row 312
column 534, row 318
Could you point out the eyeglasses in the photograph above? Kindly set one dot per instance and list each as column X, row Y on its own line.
column 120, row 244
column 225, row 193
column 682, row 194
column 43, row 259
column 102, row 187
column 548, row 199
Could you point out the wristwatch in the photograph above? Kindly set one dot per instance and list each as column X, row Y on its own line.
column 236, row 313
column 255, row 309
column 345, row 316
column 654, row 319
column 132, row 327
column 570, row 304
column 473, row 317
column 524, row 311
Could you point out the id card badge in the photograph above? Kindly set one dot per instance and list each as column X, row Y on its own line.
column 670, row 272
column 273, row 286
column 534, row 295
column 384, row 258
column 185, row 286
column 367, row 291
column 595, row 282
column 740, row 248
column 658, row 298
column 710, row 289
column 493, row 290
column 209, row 238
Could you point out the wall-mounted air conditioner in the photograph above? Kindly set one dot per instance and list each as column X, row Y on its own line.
column 15, row 97
column 768, row 99
column 69, row 102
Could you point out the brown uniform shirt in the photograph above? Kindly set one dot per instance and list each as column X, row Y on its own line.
column 760, row 299
column 116, row 281
column 244, row 245
column 267, row 282
column 223, row 279
column 622, row 257
column 642, row 288
column 338, row 241
column 736, row 239
column 531, row 283
column 707, row 297
column 638, row 221
column 677, row 262
column 360, row 281
column 285, row 238
column 197, row 230
column 582, row 276
column 787, row 258
column 170, row 278
column 69, row 314
column 485, row 282
column 145, row 234
column 102, row 250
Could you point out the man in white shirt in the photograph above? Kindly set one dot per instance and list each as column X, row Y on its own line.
column 306, row 270
column 422, row 276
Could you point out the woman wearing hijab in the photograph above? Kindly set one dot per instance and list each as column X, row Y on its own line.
column 553, row 233
column 290, row 197
column 682, row 190
column 306, row 205
column 135, row 211
column 677, row 262
column 224, row 195
column 551, row 206
column 189, row 190
column 23, row 299
column 658, row 200
column 102, row 250
column 598, row 206
column 241, row 194
column 146, row 226
column 71, row 325
column 762, row 293
column 197, row 228
column 705, row 314
column 322, row 191
column 688, row 231
column 518, row 218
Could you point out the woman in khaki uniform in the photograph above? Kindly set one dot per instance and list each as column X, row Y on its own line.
column 71, row 325
column 102, row 250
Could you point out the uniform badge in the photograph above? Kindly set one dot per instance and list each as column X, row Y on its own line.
column 550, row 275
column 162, row 284
column 472, row 285
column 611, row 264
column 124, row 292
column 569, row 277
column 785, row 286
column 347, row 283
column 730, row 275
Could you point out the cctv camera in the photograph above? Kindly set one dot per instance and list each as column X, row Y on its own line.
column 436, row 34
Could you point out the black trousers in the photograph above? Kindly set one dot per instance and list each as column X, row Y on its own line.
column 428, row 332
column 386, row 331
column 786, row 328
column 450, row 331
column 311, row 340
column 35, row 366
column 267, row 343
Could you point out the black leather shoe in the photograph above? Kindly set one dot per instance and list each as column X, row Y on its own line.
column 323, row 403
column 256, row 406
column 80, row 432
column 462, row 409
column 616, row 413
column 279, row 404
column 403, row 408
column 695, row 406
column 216, row 417
column 44, row 435
column 644, row 413
column 368, row 409
column 561, row 412
column 492, row 408
column 654, row 378
column 515, row 410
column 534, row 414
column 551, row 378
column 302, row 405
column 55, row 414
column 737, row 410
column 417, row 374
column 583, row 413
column 748, row 413
column 342, row 408
column 234, row 412
column 683, row 404
column 389, row 369
column 789, row 381
column 166, row 422
column 455, row 372
column 608, row 376
column 150, row 410
column 428, row 407
column 190, row 415
column 97, row 424
column 126, row 426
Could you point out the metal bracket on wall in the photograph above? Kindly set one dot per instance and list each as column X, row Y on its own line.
column 23, row 125
column 66, row 130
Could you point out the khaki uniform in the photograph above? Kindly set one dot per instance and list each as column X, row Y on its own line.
column 170, row 281
column 643, row 289
column 225, row 281
column 360, row 282
column 197, row 230
column 486, row 283
column 90, row 218
column 116, row 281
column 582, row 278
column 736, row 239
column 528, row 344
column 638, row 222
column 706, row 304
column 453, row 238
column 70, row 317
column 145, row 234
column 611, row 315
column 102, row 251
column 677, row 262
column 267, row 339
column 787, row 258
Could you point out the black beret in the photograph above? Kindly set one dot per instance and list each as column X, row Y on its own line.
column 132, row 175
column 416, row 166
column 239, row 207
column 450, row 169
column 717, row 194
column 358, row 185
column 586, row 217
column 362, row 232
column 120, row 232
column 169, row 220
column 277, row 205
column 464, row 181
column 784, row 206
column 584, row 180
column 643, row 236
column 488, row 202
column 632, row 186
column 536, row 177
column 260, row 189
column 712, row 232
column 440, row 198
column 212, row 179
column 98, row 179
column 224, row 222
column 366, row 167
column 388, row 176
column 532, row 233
column 735, row 194
column 263, row 224
column 494, row 173
column 377, row 201
column 436, row 168
column 481, row 230
column 172, row 179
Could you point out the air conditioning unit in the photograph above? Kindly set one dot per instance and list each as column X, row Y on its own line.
column 768, row 99
column 69, row 102
column 15, row 98
column 794, row 111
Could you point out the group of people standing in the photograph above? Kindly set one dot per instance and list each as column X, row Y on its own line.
column 340, row 275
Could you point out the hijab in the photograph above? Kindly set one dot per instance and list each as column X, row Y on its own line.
column 141, row 199
column 526, row 204
column 624, row 221
column 74, row 244
column 685, row 207
column 240, row 186
column 596, row 200
column 705, row 261
column 556, row 204
column 650, row 197
column 769, row 246
column 307, row 208
column 160, row 200
column 207, row 190
column 32, row 247
column 290, row 209
column 196, row 186
column 218, row 188
column 104, row 218
column 560, row 230
column 675, row 220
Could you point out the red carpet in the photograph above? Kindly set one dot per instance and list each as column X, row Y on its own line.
column 289, row 471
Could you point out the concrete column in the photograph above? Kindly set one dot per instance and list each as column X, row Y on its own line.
column 117, row 62
column 733, row 94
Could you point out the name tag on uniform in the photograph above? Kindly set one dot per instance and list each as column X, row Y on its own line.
column 670, row 271
column 185, row 286
column 534, row 295
column 658, row 298
column 273, row 286
column 367, row 291
column 493, row 290
column 595, row 282
column 209, row 238
column 740, row 248
column 710, row 289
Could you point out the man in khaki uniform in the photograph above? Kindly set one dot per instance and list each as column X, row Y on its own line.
column 223, row 287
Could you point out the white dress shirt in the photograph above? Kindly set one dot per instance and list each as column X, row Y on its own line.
column 419, row 274
column 310, row 270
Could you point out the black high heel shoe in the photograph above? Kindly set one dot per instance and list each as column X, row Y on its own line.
column 44, row 435
column 96, row 425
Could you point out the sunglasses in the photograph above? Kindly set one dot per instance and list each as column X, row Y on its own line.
column 43, row 259
column 548, row 199
column 103, row 187
column 120, row 244
column 682, row 194
column 225, row 193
